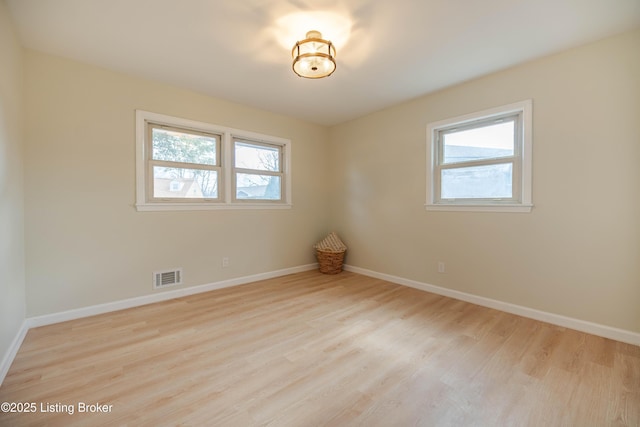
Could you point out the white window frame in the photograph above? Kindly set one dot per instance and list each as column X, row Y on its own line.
column 521, row 160
column 236, row 170
column 150, row 163
column 226, row 190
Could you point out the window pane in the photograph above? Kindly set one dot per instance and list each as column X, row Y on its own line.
column 495, row 140
column 183, row 147
column 259, row 157
column 180, row 183
column 261, row 187
column 478, row 182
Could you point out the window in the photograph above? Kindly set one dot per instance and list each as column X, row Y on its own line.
column 183, row 164
column 481, row 161
column 187, row 165
column 257, row 170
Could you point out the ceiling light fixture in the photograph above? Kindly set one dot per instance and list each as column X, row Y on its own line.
column 314, row 57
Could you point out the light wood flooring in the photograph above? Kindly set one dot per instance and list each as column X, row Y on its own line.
column 314, row 350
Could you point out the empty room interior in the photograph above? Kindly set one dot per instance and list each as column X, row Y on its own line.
column 179, row 181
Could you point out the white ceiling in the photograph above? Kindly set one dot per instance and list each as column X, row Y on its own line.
column 388, row 50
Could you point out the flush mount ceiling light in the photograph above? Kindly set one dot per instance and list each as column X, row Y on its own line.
column 314, row 57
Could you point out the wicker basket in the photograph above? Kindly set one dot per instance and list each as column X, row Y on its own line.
column 330, row 253
column 330, row 262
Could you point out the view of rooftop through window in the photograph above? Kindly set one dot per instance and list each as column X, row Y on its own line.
column 475, row 145
column 479, row 143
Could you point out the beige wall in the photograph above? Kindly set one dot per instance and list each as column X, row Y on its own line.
column 577, row 254
column 85, row 242
column 12, row 282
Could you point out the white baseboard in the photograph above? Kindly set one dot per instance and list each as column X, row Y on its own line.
column 622, row 335
column 49, row 319
column 11, row 352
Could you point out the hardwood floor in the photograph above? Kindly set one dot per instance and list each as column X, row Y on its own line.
column 311, row 350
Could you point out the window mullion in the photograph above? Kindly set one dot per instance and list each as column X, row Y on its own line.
column 227, row 163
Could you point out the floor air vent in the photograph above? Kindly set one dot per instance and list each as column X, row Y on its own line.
column 162, row 279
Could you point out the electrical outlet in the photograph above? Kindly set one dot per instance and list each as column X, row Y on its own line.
column 440, row 266
column 225, row 262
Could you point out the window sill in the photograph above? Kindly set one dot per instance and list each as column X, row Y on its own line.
column 146, row 207
column 480, row 208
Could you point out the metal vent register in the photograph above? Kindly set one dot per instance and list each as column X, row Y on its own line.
column 162, row 279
